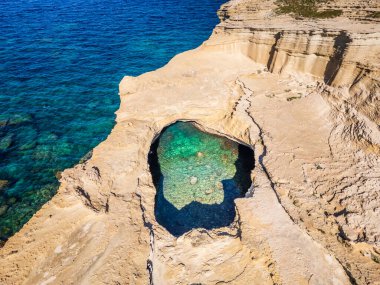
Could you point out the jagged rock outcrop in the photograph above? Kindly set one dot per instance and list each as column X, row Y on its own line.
column 303, row 94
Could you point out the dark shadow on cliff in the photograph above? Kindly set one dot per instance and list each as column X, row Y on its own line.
column 341, row 44
column 196, row 214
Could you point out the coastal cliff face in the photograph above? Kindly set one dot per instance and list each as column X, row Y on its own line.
column 341, row 53
column 303, row 94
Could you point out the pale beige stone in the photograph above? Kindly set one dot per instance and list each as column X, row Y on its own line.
column 312, row 213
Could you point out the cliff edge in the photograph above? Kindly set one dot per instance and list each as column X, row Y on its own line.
column 303, row 92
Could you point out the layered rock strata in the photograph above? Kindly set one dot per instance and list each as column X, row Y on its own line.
column 303, row 94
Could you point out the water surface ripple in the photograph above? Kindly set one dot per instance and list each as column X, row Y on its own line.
column 60, row 65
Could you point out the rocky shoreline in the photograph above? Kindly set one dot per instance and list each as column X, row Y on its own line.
column 303, row 94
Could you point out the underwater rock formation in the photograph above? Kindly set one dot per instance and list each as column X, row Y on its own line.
column 197, row 178
column 302, row 93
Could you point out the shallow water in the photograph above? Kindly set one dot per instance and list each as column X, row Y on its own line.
column 197, row 177
column 60, row 65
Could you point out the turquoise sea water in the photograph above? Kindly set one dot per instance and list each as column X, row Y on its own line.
column 60, row 65
column 197, row 177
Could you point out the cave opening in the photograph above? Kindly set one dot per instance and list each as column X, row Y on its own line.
column 197, row 177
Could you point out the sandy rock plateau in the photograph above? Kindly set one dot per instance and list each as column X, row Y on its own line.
column 303, row 94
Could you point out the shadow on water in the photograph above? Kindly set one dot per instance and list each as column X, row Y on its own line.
column 196, row 214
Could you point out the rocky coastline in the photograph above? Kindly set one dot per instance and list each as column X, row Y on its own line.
column 302, row 93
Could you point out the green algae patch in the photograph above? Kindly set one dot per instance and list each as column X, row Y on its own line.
column 197, row 177
column 306, row 8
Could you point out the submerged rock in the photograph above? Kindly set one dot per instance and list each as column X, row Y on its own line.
column 3, row 122
column 219, row 185
column 58, row 175
column 28, row 146
column 6, row 142
column 193, row 180
column 20, row 119
column 3, row 209
column 26, row 137
column 47, row 137
column 11, row 200
column 3, row 184
column 270, row 241
column 86, row 157
column 17, row 119
column 209, row 191
column 178, row 157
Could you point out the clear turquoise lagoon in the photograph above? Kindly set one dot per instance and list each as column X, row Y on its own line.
column 197, row 178
column 60, row 65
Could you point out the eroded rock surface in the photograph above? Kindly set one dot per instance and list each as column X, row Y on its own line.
column 304, row 94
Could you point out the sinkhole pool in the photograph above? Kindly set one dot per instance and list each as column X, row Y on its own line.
column 197, row 178
column 61, row 62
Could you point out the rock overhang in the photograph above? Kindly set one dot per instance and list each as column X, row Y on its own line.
column 295, row 202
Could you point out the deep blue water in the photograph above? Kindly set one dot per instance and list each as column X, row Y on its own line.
column 60, row 65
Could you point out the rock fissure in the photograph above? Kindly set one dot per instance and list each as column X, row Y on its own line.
column 248, row 93
column 307, row 218
column 149, row 226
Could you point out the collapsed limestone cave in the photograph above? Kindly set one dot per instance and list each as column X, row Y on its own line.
column 197, row 177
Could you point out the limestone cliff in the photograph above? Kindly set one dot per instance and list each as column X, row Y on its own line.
column 340, row 52
column 303, row 94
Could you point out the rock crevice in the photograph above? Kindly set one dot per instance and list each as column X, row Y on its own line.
column 303, row 94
